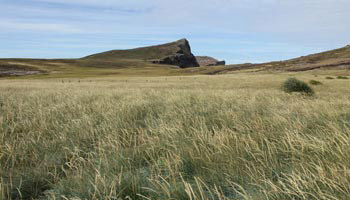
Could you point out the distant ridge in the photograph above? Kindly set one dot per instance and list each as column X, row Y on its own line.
column 174, row 53
column 333, row 59
column 160, row 61
column 337, row 59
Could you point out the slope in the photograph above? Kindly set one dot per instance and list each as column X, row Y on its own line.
column 338, row 59
column 174, row 53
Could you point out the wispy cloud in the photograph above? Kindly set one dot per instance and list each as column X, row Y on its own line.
column 39, row 27
column 213, row 26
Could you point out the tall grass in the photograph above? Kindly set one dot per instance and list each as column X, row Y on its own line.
column 224, row 137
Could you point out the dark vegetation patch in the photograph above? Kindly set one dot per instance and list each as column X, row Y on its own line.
column 342, row 77
column 315, row 82
column 295, row 85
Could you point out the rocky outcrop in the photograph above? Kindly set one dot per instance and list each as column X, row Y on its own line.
column 175, row 53
column 209, row 61
column 180, row 60
column 183, row 57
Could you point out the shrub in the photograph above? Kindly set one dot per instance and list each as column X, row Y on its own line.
column 342, row 77
column 295, row 85
column 314, row 82
column 329, row 77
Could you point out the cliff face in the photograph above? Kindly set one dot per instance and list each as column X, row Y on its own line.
column 182, row 57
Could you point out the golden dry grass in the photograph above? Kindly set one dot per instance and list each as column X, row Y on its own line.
column 197, row 137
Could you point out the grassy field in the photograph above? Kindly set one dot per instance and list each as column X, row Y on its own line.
column 83, row 68
column 236, row 136
column 86, row 68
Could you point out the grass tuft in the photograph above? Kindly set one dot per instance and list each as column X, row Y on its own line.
column 315, row 82
column 342, row 77
column 295, row 85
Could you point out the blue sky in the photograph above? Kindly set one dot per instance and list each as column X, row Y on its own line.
column 238, row 31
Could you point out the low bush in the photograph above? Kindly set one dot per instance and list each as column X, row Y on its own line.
column 342, row 77
column 329, row 77
column 314, row 82
column 295, row 85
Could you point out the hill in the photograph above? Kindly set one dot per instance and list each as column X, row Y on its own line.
column 162, row 60
column 147, row 61
column 337, row 59
column 174, row 53
column 334, row 59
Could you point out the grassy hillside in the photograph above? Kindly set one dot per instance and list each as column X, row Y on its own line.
column 61, row 68
column 199, row 137
column 176, row 53
column 341, row 53
column 118, row 62
column 135, row 62
column 338, row 59
column 144, row 53
column 334, row 59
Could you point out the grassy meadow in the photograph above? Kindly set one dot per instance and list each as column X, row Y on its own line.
column 236, row 136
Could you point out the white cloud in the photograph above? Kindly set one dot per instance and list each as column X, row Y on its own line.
column 266, row 16
column 212, row 24
column 61, row 28
column 130, row 4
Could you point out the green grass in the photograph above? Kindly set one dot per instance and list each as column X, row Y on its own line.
column 342, row 77
column 196, row 137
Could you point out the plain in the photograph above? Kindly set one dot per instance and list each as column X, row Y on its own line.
column 235, row 136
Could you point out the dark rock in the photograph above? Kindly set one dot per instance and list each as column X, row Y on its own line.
column 180, row 60
column 183, row 57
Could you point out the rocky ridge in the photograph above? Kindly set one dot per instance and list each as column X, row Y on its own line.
column 183, row 56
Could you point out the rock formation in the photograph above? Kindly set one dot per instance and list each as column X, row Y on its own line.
column 209, row 61
column 182, row 57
